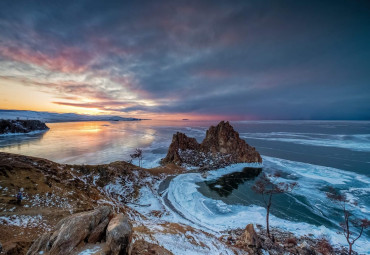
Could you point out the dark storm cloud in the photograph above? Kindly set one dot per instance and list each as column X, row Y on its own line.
column 267, row 59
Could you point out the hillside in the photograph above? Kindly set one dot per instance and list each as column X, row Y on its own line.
column 54, row 191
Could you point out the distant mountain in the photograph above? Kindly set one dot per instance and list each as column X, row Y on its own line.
column 58, row 117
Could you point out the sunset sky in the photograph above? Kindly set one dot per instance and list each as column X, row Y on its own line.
column 187, row 59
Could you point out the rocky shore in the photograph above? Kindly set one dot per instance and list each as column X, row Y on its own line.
column 99, row 209
column 120, row 208
column 21, row 126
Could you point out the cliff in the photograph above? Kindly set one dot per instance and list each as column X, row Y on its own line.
column 222, row 146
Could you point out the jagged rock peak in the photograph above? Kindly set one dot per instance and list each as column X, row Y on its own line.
column 221, row 146
column 180, row 142
column 224, row 139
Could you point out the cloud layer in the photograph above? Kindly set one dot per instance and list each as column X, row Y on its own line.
column 238, row 59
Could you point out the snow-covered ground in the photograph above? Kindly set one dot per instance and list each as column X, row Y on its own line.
column 182, row 203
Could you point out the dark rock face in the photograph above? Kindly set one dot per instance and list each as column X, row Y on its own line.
column 222, row 146
column 21, row 126
column 224, row 139
column 180, row 142
column 141, row 247
column 72, row 232
column 250, row 237
column 119, row 232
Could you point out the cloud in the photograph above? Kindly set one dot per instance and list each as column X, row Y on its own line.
column 285, row 59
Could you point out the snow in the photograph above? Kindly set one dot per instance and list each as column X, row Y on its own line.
column 89, row 251
column 182, row 240
column 215, row 216
column 50, row 200
column 24, row 221
column 355, row 142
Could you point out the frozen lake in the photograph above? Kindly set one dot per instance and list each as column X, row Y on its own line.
column 316, row 154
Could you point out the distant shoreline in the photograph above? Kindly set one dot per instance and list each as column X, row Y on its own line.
column 51, row 117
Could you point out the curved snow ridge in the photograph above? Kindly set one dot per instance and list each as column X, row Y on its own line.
column 313, row 178
column 355, row 142
column 329, row 175
column 215, row 215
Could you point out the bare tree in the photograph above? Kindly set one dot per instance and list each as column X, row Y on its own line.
column 268, row 186
column 349, row 221
column 138, row 154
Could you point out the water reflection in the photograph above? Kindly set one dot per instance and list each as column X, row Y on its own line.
column 225, row 185
column 18, row 140
column 82, row 142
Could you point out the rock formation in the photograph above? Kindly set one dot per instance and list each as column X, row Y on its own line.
column 180, row 142
column 21, row 126
column 224, row 139
column 222, row 146
column 118, row 235
column 142, row 247
column 250, row 237
column 78, row 230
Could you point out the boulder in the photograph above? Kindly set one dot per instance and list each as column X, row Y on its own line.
column 99, row 232
column 141, row 247
column 118, row 234
column 222, row 146
column 72, row 231
column 250, row 237
column 14, row 248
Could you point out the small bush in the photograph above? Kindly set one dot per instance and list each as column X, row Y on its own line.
column 324, row 247
column 291, row 241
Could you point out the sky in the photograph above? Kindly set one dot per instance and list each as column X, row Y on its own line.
column 235, row 60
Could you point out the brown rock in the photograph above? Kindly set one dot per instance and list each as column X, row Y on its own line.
column 222, row 146
column 141, row 247
column 15, row 248
column 224, row 139
column 70, row 232
column 180, row 142
column 119, row 233
column 250, row 237
column 98, row 233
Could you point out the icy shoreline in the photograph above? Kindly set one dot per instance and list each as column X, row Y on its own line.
column 214, row 216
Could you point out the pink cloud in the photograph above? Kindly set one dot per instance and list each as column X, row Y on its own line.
column 67, row 60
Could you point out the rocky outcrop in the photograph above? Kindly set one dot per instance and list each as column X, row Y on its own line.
column 142, row 247
column 118, row 235
column 76, row 231
column 180, row 142
column 14, row 248
column 21, row 126
column 222, row 146
column 250, row 237
column 225, row 140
